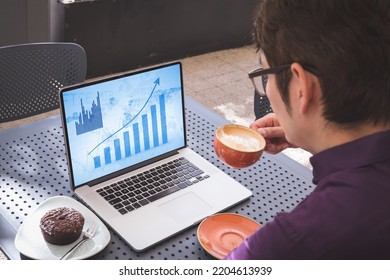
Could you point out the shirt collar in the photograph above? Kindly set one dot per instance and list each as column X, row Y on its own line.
column 360, row 152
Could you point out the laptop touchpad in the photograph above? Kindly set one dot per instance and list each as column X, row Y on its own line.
column 186, row 207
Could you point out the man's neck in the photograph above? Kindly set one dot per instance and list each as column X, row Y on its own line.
column 334, row 135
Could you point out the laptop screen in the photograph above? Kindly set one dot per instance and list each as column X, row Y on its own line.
column 121, row 122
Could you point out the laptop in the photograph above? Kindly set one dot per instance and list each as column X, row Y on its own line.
column 128, row 159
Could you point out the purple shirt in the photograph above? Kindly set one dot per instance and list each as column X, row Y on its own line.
column 347, row 216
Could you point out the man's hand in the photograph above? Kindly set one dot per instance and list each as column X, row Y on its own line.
column 269, row 127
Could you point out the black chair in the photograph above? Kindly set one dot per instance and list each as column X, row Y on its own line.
column 32, row 74
column 261, row 105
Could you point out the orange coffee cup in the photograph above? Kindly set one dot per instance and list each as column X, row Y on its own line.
column 238, row 146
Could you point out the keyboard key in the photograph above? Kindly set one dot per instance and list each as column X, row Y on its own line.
column 143, row 202
column 118, row 206
column 109, row 197
column 136, row 205
column 196, row 173
column 131, row 194
column 170, row 184
column 115, row 201
column 182, row 185
column 163, row 193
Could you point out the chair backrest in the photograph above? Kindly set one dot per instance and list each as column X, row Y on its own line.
column 32, row 74
column 261, row 106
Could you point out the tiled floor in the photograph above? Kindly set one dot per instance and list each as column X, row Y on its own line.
column 220, row 82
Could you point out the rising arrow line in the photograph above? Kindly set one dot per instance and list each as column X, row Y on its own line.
column 156, row 82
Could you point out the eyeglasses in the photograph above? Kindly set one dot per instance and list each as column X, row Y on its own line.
column 259, row 77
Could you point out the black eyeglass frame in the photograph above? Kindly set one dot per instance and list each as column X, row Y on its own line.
column 274, row 70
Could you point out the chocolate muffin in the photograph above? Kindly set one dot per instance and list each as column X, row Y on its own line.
column 62, row 226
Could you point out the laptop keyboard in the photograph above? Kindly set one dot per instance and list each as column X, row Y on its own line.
column 151, row 185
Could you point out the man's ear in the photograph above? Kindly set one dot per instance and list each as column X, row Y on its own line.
column 304, row 87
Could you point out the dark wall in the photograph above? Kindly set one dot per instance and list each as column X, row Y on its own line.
column 120, row 35
column 12, row 25
column 26, row 21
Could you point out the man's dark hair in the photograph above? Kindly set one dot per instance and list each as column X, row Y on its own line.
column 347, row 41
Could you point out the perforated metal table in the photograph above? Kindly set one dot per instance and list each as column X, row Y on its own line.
column 33, row 167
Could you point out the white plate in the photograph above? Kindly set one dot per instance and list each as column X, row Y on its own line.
column 30, row 242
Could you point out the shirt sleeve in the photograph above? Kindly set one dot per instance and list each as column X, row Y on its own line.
column 276, row 240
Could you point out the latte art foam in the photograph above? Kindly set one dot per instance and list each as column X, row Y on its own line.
column 241, row 142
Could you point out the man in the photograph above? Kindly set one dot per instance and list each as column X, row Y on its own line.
column 326, row 72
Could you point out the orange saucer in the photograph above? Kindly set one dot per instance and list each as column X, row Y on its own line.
column 221, row 233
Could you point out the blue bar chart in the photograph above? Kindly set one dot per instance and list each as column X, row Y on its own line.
column 143, row 133
column 89, row 120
